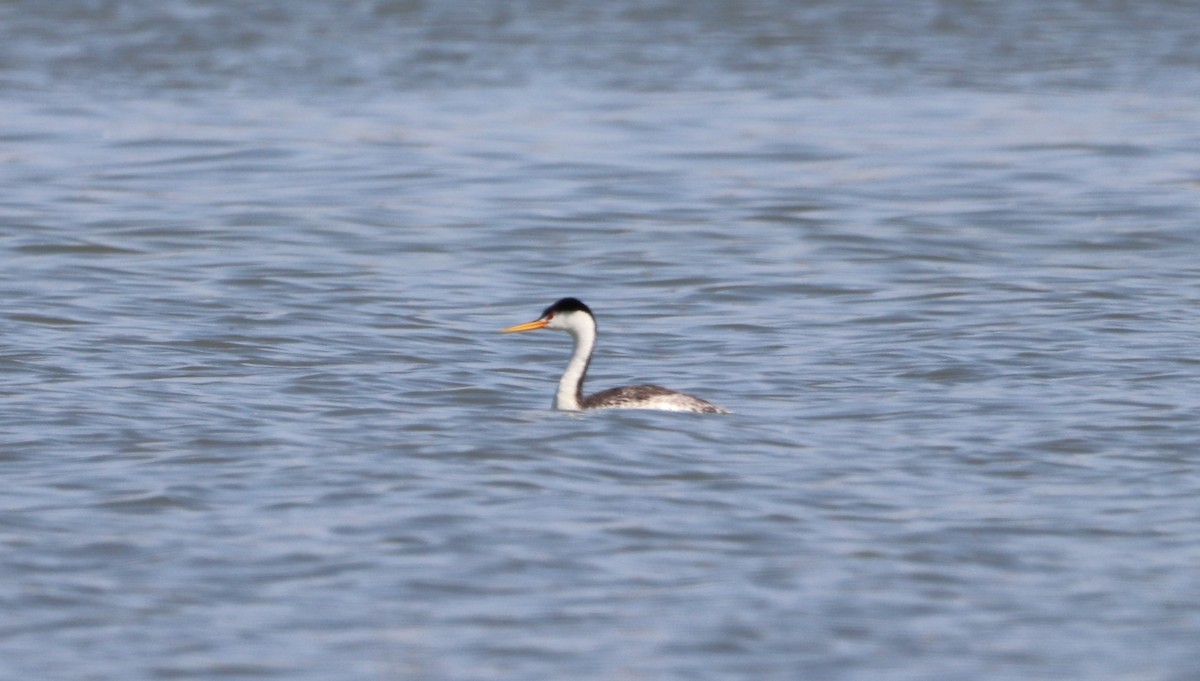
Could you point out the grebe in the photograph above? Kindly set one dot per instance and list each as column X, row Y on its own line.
column 572, row 316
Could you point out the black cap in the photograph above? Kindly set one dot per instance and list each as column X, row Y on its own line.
column 567, row 305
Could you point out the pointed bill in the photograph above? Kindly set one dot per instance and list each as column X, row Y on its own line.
column 527, row 326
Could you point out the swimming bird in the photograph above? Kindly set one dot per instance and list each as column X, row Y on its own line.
column 572, row 316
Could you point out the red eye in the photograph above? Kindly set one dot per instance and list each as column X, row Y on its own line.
column 549, row 316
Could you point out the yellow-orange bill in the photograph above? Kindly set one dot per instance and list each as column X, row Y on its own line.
column 527, row 326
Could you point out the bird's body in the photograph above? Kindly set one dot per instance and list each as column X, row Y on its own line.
column 572, row 316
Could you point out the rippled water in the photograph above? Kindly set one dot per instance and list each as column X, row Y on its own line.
column 939, row 259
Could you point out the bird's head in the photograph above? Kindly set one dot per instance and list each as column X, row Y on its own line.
column 567, row 314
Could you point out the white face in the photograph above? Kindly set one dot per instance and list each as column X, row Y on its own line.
column 562, row 321
column 569, row 321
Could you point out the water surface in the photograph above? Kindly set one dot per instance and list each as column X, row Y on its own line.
column 938, row 260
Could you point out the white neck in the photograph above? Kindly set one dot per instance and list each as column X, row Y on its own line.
column 570, row 386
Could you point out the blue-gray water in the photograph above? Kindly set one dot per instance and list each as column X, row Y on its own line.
column 942, row 260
